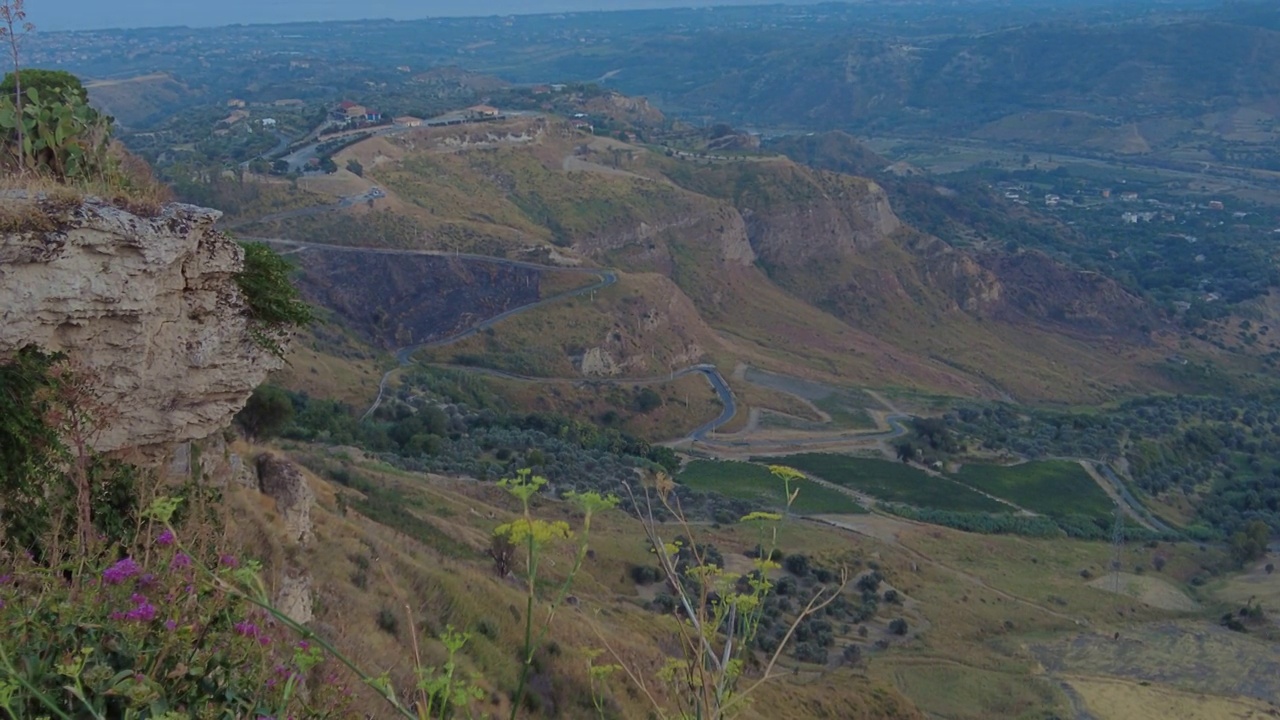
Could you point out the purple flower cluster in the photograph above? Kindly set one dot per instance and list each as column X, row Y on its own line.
column 181, row 561
column 165, row 539
column 250, row 630
column 121, row 571
column 142, row 611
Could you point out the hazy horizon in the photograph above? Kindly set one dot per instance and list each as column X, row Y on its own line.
column 53, row 15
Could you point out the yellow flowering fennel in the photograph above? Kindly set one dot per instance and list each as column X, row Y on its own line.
column 534, row 536
column 719, row 612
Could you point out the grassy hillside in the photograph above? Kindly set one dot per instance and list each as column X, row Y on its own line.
column 774, row 264
column 386, row 538
column 979, row 610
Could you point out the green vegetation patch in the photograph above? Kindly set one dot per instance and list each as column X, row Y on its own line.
column 748, row 481
column 844, row 414
column 275, row 305
column 893, row 482
column 1053, row 487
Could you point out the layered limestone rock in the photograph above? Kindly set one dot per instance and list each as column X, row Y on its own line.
column 294, row 597
column 148, row 305
column 282, row 481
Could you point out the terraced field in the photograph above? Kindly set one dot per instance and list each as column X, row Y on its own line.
column 748, row 481
column 892, row 482
column 1054, row 487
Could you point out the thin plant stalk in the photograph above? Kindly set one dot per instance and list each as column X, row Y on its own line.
column 13, row 16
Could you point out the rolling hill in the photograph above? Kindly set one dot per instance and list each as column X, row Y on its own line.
column 753, row 259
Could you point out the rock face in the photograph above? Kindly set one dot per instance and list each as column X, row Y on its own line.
column 149, row 305
column 831, row 216
column 282, row 481
column 294, row 597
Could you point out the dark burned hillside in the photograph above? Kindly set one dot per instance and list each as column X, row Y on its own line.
column 417, row 298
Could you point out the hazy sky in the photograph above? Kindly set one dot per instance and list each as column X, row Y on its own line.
column 93, row 14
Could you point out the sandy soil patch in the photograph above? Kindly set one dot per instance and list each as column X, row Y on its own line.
column 371, row 153
column 1148, row 590
column 343, row 183
column 1256, row 585
column 1111, row 699
column 576, row 164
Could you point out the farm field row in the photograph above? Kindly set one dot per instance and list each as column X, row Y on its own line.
column 1056, row 488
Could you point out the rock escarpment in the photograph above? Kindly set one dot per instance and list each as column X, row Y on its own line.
column 282, row 481
column 148, row 305
column 829, row 216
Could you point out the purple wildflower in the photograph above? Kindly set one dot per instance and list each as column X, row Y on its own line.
column 246, row 628
column 121, row 571
column 146, row 580
column 180, row 561
column 230, row 561
column 264, row 639
column 165, row 538
column 146, row 612
column 170, row 625
column 6, row 579
column 304, row 645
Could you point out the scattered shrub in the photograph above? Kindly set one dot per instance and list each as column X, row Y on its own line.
column 275, row 305
column 797, row 565
column 388, row 622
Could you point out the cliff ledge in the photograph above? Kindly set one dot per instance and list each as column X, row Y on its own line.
column 150, row 305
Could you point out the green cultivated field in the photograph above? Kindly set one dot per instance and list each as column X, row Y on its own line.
column 747, row 481
column 892, row 482
column 1052, row 487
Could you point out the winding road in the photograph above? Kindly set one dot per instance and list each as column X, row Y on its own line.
column 605, row 278
column 895, row 419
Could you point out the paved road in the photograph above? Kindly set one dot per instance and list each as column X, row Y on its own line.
column 300, row 157
column 342, row 204
column 896, row 430
column 281, row 146
column 1130, row 500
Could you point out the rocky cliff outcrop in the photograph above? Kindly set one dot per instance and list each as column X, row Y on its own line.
column 283, row 482
column 149, row 305
column 833, row 216
column 1039, row 287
